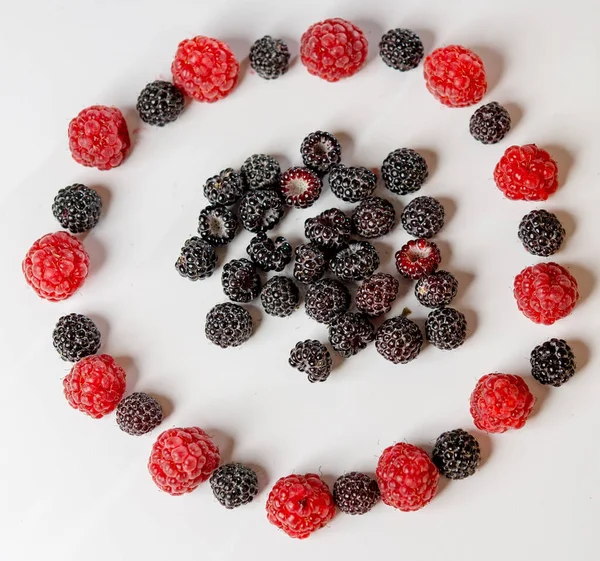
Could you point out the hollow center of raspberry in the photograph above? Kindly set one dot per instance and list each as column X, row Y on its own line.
column 414, row 255
column 216, row 227
column 297, row 187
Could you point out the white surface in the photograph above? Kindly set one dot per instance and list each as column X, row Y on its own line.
column 72, row 488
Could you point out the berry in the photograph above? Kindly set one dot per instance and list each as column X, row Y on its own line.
column 75, row 336
column 77, row 208
column 351, row 184
column 330, row 230
column 373, row 217
column 95, row 385
column 500, row 402
column 98, row 137
column 376, row 294
column 261, row 210
column 269, row 58
column 437, row 289
column 225, row 189
column 234, row 485
column 280, row 296
column 160, row 103
column 217, row 225
column 404, row 171
column 181, row 459
column 545, row 292
column 205, row 69
column 446, row 328
column 455, row 76
column 138, row 414
column 526, row 173
column 423, row 217
column 417, row 259
column 355, row 493
column 456, row 454
column 541, row 233
column 240, row 280
column 320, row 151
column 490, row 123
column 198, row 259
column 300, row 505
column 350, row 333
column 407, row 478
column 553, row 363
column 55, row 266
column 355, row 262
column 326, row 299
column 261, row 172
column 399, row 340
column 333, row 49
column 228, row 325
column 310, row 263
column 313, row 358
column 401, row 49
column 300, row 187
column 268, row 254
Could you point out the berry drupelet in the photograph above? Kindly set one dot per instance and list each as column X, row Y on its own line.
column 373, row 217
column 355, row 493
column 456, row 454
column 226, row 188
column 261, row 210
column 350, row 333
column 300, row 187
column 326, row 299
column 436, row 290
column 217, row 225
column 160, row 103
column 351, row 184
column 553, row 363
column 138, row 414
column 490, row 123
column 320, row 151
column 541, row 233
column 261, row 171
column 269, row 57
column 310, row 263
column 356, row 262
column 77, row 208
column 75, row 337
column 401, row 49
column 234, row 485
column 280, row 296
column 228, row 325
column 376, row 294
column 240, row 280
column 329, row 230
column 404, row 171
column 446, row 328
column 399, row 340
column 313, row 358
column 269, row 254
column 423, row 217
column 417, row 259
column 197, row 260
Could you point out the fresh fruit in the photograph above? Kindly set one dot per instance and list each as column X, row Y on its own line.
column 401, row 49
column 376, row 294
column 446, row 328
column 138, row 414
column 261, row 171
column 226, row 188
column 217, row 225
column 234, row 485
column 355, row 493
column 269, row 254
column 373, row 217
column 351, row 184
column 197, row 260
column 423, row 217
column 329, row 230
column 541, row 233
column 553, row 363
column 300, row 187
column 75, row 336
column 350, row 333
column 312, row 357
column 228, row 325
column 417, row 259
column 437, row 289
column 310, row 263
column 456, row 454
column 269, row 57
column 356, row 262
column 320, row 151
column 404, row 171
column 280, row 296
column 490, row 123
column 240, row 280
column 261, row 210
column 399, row 340
column 326, row 299
column 160, row 103
column 77, row 208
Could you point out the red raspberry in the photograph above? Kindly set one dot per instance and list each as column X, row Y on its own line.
column 181, row 459
column 98, row 137
column 205, row 69
column 300, row 187
column 407, row 478
column 300, row 504
column 56, row 265
column 333, row 49
column 95, row 385
column 417, row 259
column 546, row 292
column 526, row 173
column 455, row 76
column 500, row 402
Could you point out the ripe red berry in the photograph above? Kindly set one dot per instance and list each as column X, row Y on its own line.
column 333, row 49
column 455, row 76
column 526, row 173
column 500, row 402
column 205, row 69
column 181, row 459
column 56, row 265
column 417, row 259
column 407, row 477
column 95, row 385
column 98, row 137
column 300, row 187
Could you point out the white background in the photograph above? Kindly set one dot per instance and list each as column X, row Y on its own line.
column 73, row 488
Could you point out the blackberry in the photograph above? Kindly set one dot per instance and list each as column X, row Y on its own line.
column 320, row 150
column 326, row 299
column 456, row 454
column 310, row 263
column 240, row 280
column 261, row 172
column 352, row 184
column 376, row 294
column 437, row 289
column 228, row 325
column 446, row 328
column 404, row 171
column 330, row 230
column 198, row 259
column 269, row 57
column 234, row 485
column 423, row 217
column 77, row 208
column 350, row 333
column 355, row 493
column 280, row 296
column 268, row 254
column 399, row 340
column 138, row 414
column 541, row 233
column 355, row 262
column 373, row 217
column 261, row 210
column 401, row 49
column 312, row 357
column 225, row 189
column 160, row 103
column 490, row 123
column 217, row 225
column 75, row 336
column 553, row 363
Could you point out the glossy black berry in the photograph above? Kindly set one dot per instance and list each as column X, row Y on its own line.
column 261, row 171
column 456, row 454
column 310, row 263
column 226, row 188
column 401, row 49
column 399, row 340
column 355, row 262
column 373, row 217
column 197, row 260
column 404, row 171
column 423, row 217
column 138, row 414
column 269, row 254
column 376, row 294
column 320, row 151
column 75, row 337
column 261, row 210
column 313, row 358
column 160, row 103
column 77, row 208
column 352, row 184
column 490, row 123
column 280, row 296
column 234, row 485
column 217, row 225
column 269, row 57
column 228, row 325
column 446, row 328
column 436, row 290
column 350, row 333
column 326, row 299
column 330, row 230
column 355, row 493
column 553, row 363
column 541, row 233
column 240, row 280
